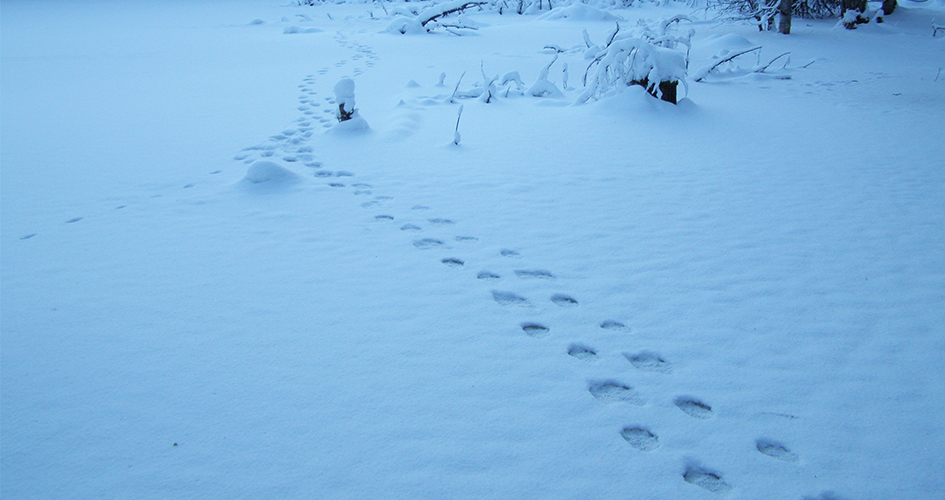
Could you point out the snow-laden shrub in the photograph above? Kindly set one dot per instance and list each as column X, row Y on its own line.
column 765, row 12
column 651, row 58
column 431, row 18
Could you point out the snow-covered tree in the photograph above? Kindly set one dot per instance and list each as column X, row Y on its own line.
column 651, row 58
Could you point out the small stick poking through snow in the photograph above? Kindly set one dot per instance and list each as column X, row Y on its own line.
column 456, row 136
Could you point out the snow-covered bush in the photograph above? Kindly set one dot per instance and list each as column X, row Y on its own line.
column 765, row 12
column 651, row 58
column 431, row 18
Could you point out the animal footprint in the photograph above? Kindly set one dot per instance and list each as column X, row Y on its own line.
column 486, row 275
column 581, row 351
column 27, row 236
column 535, row 329
column 440, row 222
column 648, row 361
column 613, row 325
column 505, row 252
column 534, row 274
column 384, row 218
column 407, row 227
column 706, row 479
column 427, row 243
column 693, row 407
column 73, row 220
column 775, row 449
column 564, row 300
column 508, row 298
column 466, row 238
column 640, row 438
column 453, row 262
column 610, row 391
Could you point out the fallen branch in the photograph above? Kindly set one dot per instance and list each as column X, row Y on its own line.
column 436, row 12
column 704, row 73
column 763, row 68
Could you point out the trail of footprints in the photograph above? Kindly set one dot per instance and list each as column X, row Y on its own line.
column 291, row 146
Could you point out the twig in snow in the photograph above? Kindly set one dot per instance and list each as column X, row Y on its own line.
column 456, row 89
column 762, row 69
column 723, row 61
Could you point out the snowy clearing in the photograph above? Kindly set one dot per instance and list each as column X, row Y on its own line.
column 474, row 287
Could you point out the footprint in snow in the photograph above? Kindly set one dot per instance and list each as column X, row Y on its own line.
column 706, row 479
column 693, row 407
column 74, row 220
column 613, row 325
column 611, row 391
column 581, row 351
column 641, row 438
column 505, row 252
column 409, row 227
column 384, row 218
column 508, row 298
column 488, row 276
column 466, row 238
column 453, row 262
column 534, row 274
column 27, row 236
column 427, row 243
column 775, row 449
column 648, row 361
column 440, row 222
column 535, row 329
column 564, row 300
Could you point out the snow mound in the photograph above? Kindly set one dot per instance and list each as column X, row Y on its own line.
column 722, row 45
column 579, row 12
column 270, row 174
column 405, row 26
column 355, row 126
column 291, row 30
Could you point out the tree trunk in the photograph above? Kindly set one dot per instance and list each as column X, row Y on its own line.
column 784, row 23
column 858, row 6
column 889, row 6
column 668, row 91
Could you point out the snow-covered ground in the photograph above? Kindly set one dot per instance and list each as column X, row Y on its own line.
column 210, row 290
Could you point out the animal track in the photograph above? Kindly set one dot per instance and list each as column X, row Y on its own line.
column 509, row 253
column 564, row 300
column 534, row 274
column 705, row 479
column 384, row 217
column 610, row 391
column 427, row 243
column 73, row 220
column 648, row 361
column 486, row 275
column 508, row 298
column 535, row 329
column 613, row 325
column 407, row 227
column 440, row 222
column 693, row 407
column 466, row 238
column 453, row 262
column 640, row 438
column 775, row 449
column 581, row 351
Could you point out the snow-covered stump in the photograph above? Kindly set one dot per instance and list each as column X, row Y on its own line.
column 344, row 96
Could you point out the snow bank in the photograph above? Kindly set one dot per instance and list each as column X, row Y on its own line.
column 579, row 12
column 270, row 173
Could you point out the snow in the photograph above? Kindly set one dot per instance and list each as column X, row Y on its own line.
column 210, row 288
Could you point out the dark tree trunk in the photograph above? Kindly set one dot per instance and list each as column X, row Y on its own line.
column 668, row 91
column 858, row 6
column 786, row 8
